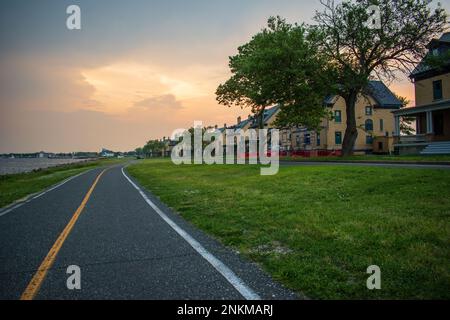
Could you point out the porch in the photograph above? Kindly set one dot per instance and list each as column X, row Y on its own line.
column 432, row 126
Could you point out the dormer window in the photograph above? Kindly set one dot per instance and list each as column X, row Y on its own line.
column 437, row 90
column 435, row 52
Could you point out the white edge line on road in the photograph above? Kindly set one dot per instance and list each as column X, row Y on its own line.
column 226, row 272
column 31, row 198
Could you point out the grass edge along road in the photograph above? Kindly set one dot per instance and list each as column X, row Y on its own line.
column 434, row 159
column 18, row 187
column 317, row 229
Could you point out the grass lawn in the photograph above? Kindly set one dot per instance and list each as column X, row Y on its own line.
column 317, row 229
column 17, row 186
column 375, row 158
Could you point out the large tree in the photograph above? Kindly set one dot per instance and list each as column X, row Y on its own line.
column 366, row 42
column 280, row 65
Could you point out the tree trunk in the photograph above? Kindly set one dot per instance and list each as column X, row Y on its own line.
column 260, row 127
column 351, row 133
column 261, row 118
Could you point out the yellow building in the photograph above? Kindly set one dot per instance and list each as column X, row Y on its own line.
column 375, row 124
column 432, row 111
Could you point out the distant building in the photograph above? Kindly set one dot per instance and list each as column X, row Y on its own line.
column 105, row 153
column 43, row 155
column 168, row 145
column 270, row 115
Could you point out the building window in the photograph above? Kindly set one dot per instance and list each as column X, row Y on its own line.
column 381, row 125
column 369, row 111
column 437, row 90
column 307, row 139
column 369, row 125
column 318, row 139
column 338, row 138
column 369, row 140
column 338, row 116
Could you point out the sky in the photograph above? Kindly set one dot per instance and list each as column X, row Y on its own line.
column 137, row 70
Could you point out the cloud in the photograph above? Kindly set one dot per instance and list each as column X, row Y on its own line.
column 167, row 101
column 125, row 84
column 39, row 83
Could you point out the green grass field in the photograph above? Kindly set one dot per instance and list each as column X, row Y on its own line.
column 17, row 186
column 317, row 229
column 377, row 158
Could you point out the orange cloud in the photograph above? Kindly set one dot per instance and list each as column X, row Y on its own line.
column 120, row 86
column 167, row 101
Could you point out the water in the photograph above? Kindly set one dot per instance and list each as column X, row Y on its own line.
column 12, row 166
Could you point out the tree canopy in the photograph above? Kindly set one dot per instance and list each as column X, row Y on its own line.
column 153, row 147
column 280, row 65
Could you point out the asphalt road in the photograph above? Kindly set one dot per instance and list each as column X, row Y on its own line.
column 125, row 248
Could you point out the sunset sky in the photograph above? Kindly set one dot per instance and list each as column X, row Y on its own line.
column 138, row 69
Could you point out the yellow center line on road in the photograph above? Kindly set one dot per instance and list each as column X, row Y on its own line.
column 35, row 283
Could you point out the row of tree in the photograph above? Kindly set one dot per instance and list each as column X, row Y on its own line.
column 159, row 147
column 152, row 148
column 297, row 65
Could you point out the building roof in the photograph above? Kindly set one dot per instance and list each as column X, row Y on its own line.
column 435, row 106
column 268, row 114
column 442, row 44
column 243, row 123
column 445, row 37
column 330, row 99
column 383, row 96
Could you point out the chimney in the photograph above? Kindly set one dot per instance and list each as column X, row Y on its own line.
column 239, row 119
column 216, row 127
column 225, row 125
